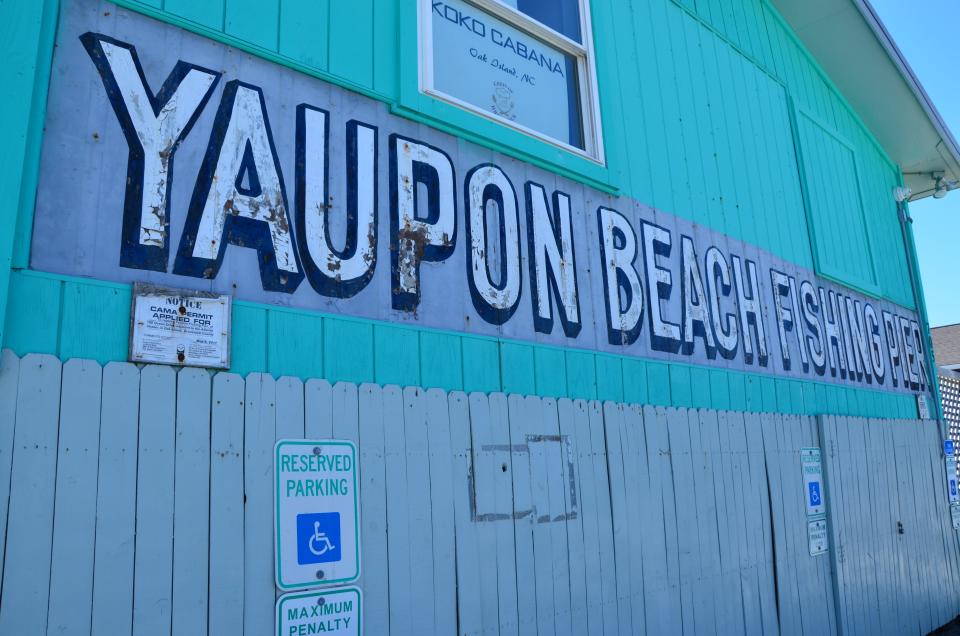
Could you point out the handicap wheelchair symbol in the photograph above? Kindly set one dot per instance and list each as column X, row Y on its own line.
column 814, row 488
column 318, row 538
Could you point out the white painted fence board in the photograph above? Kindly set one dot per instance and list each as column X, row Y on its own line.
column 710, row 518
column 289, row 408
column 26, row 574
column 399, row 538
column 584, row 459
column 191, row 516
column 258, row 444
column 226, row 506
column 441, row 509
column 71, row 572
column 622, row 531
column 9, row 379
column 318, row 409
column 553, row 524
column 153, row 558
column 688, row 545
column 496, row 432
column 660, row 560
column 579, row 616
column 637, row 491
column 469, row 587
column 373, row 501
column 112, row 609
column 530, row 589
column 417, row 511
column 345, row 412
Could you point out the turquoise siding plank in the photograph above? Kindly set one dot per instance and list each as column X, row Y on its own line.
column 348, row 350
column 768, row 389
column 609, row 373
column 581, row 375
column 481, row 365
column 700, row 387
column 33, row 315
column 28, row 42
column 635, row 381
column 295, row 344
column 738, row 392
column 254, row 21
column 720, row 384
column 208, row 13
column 754, row 394
column 396, row 355
column 441, row 362
column 551, row 372
column 86, row 309
column 681, row 393
column 248, row 350
column 658, row 384
column 351, row 48
column 385, row 42
column 303, row 28
column 517, row 369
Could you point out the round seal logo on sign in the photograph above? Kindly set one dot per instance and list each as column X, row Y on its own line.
column 502, row 101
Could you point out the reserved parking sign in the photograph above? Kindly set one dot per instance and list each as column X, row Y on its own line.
column 317, row 508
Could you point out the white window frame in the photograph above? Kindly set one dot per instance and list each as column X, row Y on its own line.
column 582, row 53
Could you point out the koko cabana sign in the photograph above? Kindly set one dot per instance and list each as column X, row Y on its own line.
column 172, row 159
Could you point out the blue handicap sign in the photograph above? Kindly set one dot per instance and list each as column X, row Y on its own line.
column 318, row 537
column 814, row 488
column 948, row 447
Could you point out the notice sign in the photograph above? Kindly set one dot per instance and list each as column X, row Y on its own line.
column 923, row 407
column 333, row 611
column 813, row 481
column 174, row 326
column 955, row 516
column 317, row 509
column 817, row 536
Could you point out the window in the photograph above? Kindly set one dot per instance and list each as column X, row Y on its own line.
column 525, row 63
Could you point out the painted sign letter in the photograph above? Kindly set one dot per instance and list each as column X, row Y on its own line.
column 553, row 262
column 415, row 238
column 624, row 294
column 494, row 301
column 154, row 126
column 332, row 272
column 239, row 197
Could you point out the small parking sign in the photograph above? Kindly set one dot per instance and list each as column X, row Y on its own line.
column 317, row 513
column 812, row 466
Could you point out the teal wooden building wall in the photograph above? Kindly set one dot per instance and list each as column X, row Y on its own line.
column 712, row 111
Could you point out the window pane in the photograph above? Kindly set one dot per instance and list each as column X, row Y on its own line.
column 563, row 16
column 487, row 63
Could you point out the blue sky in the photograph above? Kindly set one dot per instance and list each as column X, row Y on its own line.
column 926, row 32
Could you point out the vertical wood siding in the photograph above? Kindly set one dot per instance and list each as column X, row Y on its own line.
column 139, row 501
